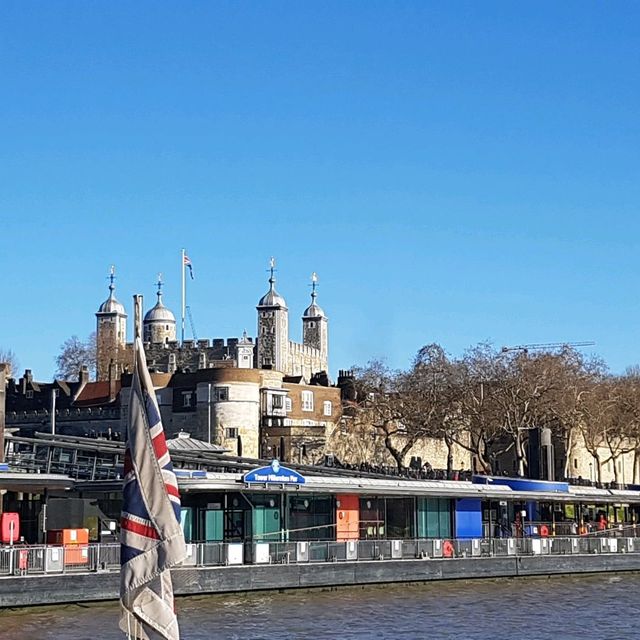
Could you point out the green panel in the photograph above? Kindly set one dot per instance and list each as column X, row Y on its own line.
column 213, row 528
column 266, row 523
column 422, row 517
column 433, row 518
column 186, row 522
column 444, row 509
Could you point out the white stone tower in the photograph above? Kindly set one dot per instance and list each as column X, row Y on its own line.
column 315, row 326
column 111, row 333
column 273, row 328
column 159, row 326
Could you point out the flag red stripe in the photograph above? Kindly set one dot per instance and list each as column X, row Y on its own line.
column 140, row 529
column 159, row 445
column 171, row 490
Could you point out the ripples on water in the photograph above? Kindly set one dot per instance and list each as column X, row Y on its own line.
column 606, row 608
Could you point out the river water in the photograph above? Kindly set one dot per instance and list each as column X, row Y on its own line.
column 562, row 608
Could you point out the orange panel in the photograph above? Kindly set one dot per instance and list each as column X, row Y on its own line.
column 76, row 554
column 68, row 536
column 347, row 517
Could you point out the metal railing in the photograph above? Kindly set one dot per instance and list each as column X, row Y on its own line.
column 79, row 558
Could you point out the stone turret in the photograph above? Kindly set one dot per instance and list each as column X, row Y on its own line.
column 111, row 332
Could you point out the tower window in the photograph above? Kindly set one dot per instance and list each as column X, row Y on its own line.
column 311, row 324
column 29, row 394
column 231, row 432
column 276, row 401
column 221, row 394
column 186, row 398
column 307, row 400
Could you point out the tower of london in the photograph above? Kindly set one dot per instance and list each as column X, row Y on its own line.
column 271, row 349
column 276, row 350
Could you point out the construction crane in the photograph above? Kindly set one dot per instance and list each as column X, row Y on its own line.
column 193, row 326
column 546, row 346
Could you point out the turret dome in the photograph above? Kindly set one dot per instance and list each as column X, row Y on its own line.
column 111, row 304
column 313, row 310
column 159, row 313
column 159, row 324
column 272, row 298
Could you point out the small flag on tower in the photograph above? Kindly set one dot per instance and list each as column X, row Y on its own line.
column 151, row 536
column 187, row 263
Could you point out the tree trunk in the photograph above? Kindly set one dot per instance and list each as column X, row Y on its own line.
column 520, row 455
column 449, row 444
column 615, row 469
column 397, row 455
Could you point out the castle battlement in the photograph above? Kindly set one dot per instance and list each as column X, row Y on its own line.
column 215, row 344
column 295, row 348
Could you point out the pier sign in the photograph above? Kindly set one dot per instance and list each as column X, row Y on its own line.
column 273, row 474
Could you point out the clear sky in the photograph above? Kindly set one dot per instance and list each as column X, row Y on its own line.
column 454, row 171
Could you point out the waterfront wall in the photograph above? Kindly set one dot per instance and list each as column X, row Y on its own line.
column 23, row 591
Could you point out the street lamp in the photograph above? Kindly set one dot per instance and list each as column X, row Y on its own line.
column 591, row 472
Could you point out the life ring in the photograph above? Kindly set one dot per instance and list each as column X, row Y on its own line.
column 447, row 549
column 544, row 531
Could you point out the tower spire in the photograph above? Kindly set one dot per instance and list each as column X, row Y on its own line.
column 112, row 277
column 314, row 284
column 159, row 284
column 272, row 268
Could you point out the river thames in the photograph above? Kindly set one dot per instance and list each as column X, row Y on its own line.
column 606, row 607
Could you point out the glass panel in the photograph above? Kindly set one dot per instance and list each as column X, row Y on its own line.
column 213, row 525
column 399, row 518
column 444, row 508
column 186, row 522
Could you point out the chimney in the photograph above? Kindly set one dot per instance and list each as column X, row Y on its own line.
column 83, row 376
column 25, row 381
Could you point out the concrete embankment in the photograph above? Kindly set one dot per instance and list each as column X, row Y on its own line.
column 21, row 591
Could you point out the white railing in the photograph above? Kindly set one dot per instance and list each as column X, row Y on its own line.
column 50, row 559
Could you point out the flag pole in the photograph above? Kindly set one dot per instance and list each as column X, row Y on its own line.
column 137, row 317
column 184, row 285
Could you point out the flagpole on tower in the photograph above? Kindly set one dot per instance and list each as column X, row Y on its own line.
column 184, row 285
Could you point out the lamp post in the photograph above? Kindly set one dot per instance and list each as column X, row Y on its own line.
column 591, row 472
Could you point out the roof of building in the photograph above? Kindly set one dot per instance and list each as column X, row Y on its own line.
column 272, row 298
column 96, row 394
column 111, row 305
column 159, row 313
column 184, row 442
column 313, row 311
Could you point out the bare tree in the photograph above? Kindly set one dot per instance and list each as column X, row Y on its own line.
column 429, row 401
column 9, row 357
column 75, row 354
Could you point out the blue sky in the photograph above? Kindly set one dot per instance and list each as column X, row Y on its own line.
column 454, row 171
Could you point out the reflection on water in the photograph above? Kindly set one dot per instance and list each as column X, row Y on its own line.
column 606, row 607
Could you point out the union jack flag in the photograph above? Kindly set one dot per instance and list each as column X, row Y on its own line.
column 186, row 261
column 151, row 537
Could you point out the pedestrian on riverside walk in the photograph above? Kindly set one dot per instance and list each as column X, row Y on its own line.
column 602, row 522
